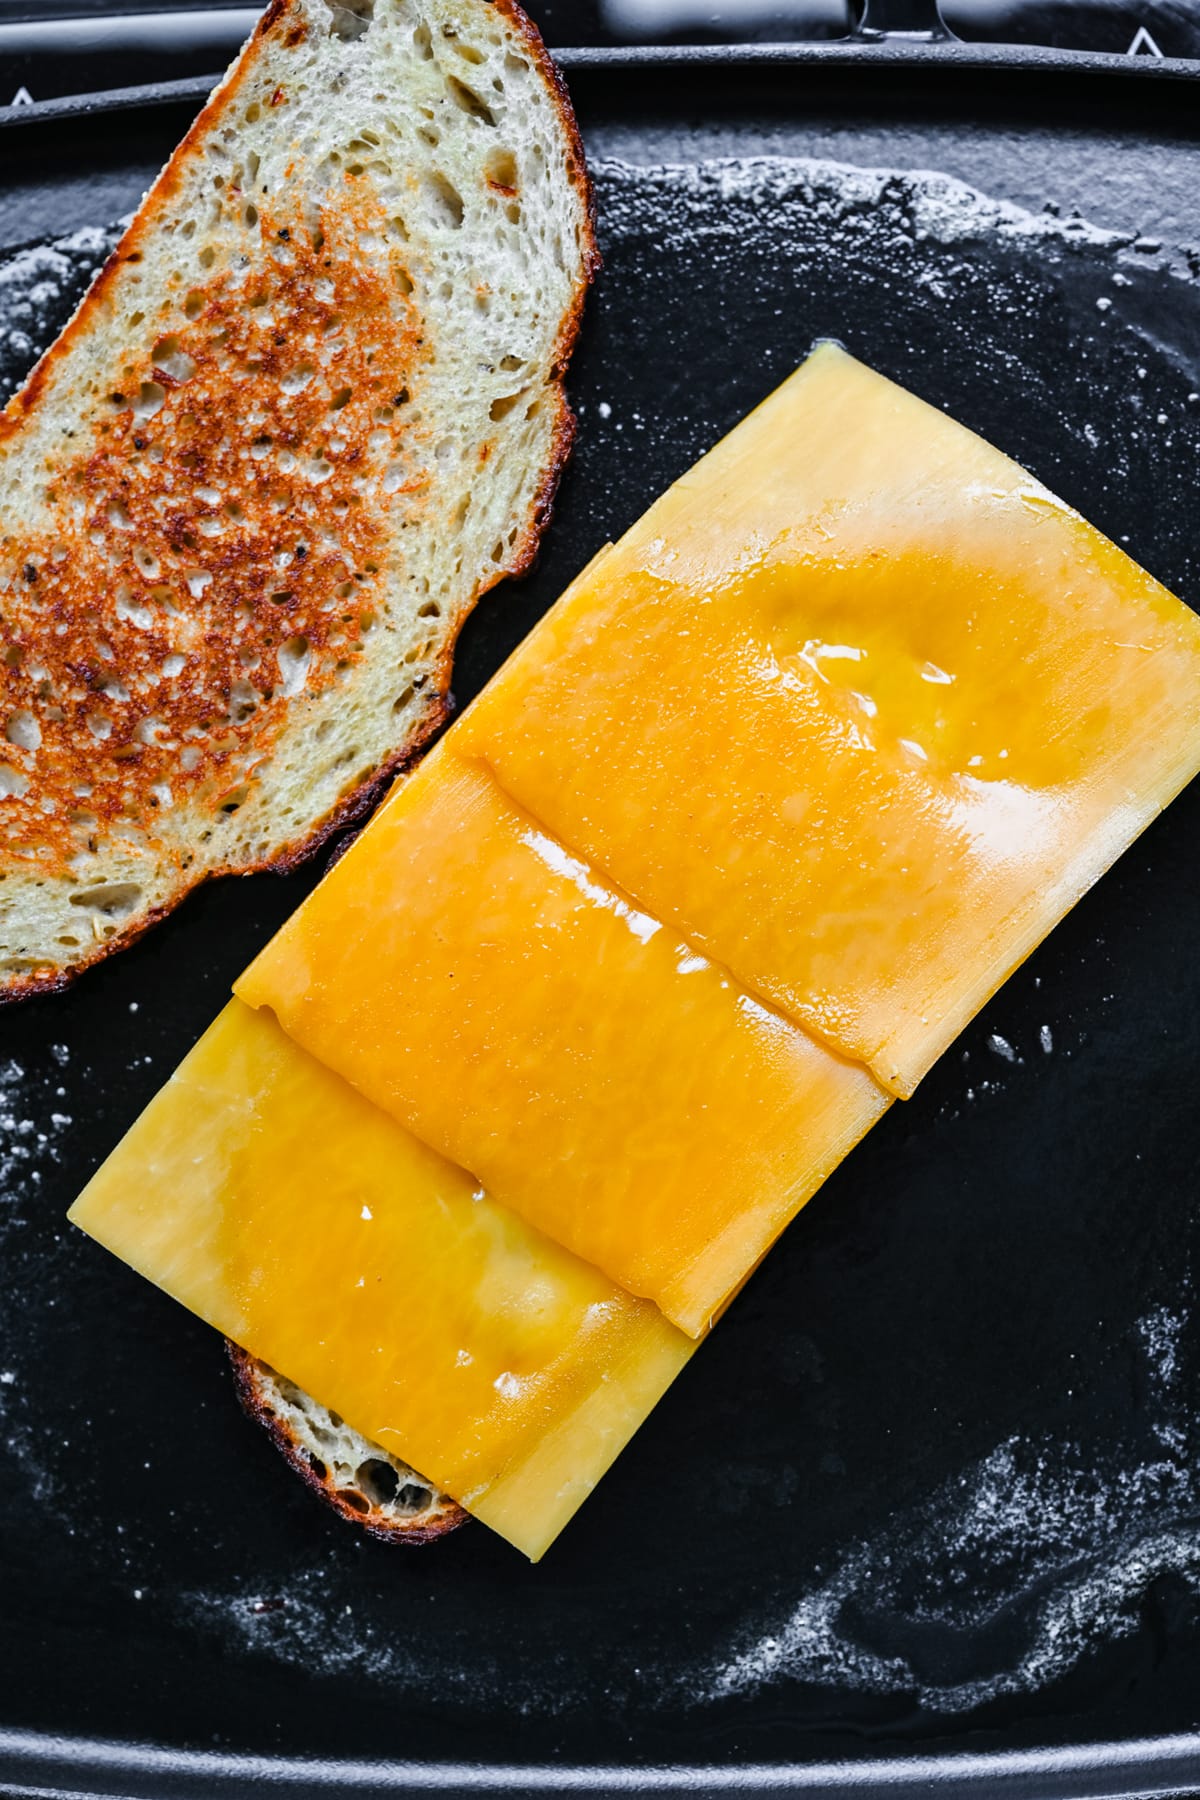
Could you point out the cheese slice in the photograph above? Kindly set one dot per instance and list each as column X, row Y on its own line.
column 518, row 1013
column 270, row 1198
column 858, row 708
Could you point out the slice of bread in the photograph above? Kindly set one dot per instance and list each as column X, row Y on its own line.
column 310, row 411
column 366, row 1485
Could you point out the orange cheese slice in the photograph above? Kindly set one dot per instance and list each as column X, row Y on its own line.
column 516, row 1012
column 858, row 707
column 265, row 1194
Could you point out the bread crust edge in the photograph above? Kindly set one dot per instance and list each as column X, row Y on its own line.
column 448, row 1518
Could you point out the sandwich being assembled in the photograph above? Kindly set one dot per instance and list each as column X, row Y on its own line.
column 716, row 867
column 309, row 412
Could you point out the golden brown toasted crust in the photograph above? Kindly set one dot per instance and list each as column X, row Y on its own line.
column 253, row 1382
column 251, row 613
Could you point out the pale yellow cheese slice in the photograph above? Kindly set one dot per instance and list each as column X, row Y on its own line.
column 270, row 1198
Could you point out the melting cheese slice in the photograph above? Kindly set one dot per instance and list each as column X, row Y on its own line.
column 858, row 707
column 519, row 1014
column 265, row 1194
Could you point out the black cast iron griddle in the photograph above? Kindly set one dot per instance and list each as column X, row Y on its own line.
column 928, row 1505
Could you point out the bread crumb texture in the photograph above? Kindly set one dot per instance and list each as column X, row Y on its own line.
column 309, row 412
column 364, row 1483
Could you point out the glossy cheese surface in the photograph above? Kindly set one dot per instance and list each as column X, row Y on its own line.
column 516, row 1012
column 858, row 707
column 270, row 1198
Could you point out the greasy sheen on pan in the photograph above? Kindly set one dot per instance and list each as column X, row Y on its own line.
column 310, row 411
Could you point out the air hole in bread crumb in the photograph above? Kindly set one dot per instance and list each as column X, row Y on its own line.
column 378, row 1481
column 243, row 702
column 354, row 1499
column 13, row 785
column 430, row 610
column 295, row 660
column 151, row 399
column 24, row 731
column 469, row 101
column 402, row 700
column 350, row 20
column 297, row 379
column 317, row 1466
column 445, row 199
column 500, row 171
column 114, row 899
column 171, row 361
column 341, row 398
column 423, row 40
column 130, row 612
column 500, row 409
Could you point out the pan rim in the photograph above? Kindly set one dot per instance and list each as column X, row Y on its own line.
column 839, row 53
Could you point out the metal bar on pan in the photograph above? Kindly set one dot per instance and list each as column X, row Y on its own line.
column 43, row 59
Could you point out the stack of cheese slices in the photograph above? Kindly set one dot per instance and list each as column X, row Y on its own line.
column 723, row 859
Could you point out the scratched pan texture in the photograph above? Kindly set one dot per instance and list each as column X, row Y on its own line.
column 935, row 1483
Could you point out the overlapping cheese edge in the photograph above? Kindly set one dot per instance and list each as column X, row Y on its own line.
column 511, row 1008
column 265, row 1194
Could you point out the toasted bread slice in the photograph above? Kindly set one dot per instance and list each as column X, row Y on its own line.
column 365, row 1484
column 311, row 409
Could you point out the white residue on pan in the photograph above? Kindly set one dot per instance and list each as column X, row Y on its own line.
column 33, row 1119
column 917, row 261
column 939, row 208
column 300, row 1624
column 1033, row 1540
column 40, row 286
column 1034, row 1532
column 34, row 1125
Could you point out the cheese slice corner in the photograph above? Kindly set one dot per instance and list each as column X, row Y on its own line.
column 858, row 707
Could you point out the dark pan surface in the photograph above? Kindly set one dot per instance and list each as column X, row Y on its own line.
column 934, row 1486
